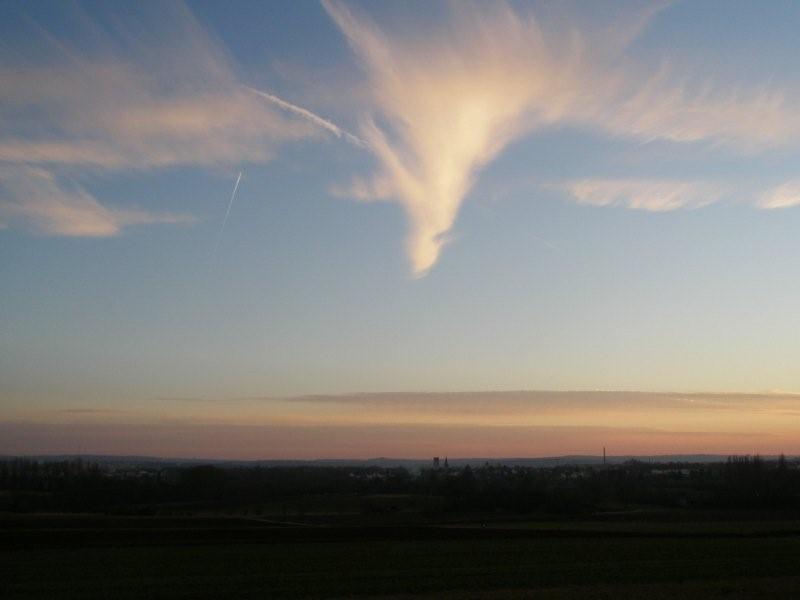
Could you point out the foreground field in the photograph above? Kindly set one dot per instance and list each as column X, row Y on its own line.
column 95, row 557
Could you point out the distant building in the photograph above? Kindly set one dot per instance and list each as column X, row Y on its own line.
column 435, row 462
column 446, row 464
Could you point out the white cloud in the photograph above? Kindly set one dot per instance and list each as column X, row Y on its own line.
column 644, row 194
column 446, row 101
column 156, row 90
column 658, row 107
column 153, row 90
column 37, row 200
column 78, row 118
column 783, row 196
column 446, row 104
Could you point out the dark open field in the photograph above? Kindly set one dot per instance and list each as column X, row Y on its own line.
column 114, row 557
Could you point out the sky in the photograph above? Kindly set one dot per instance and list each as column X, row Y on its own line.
column 356, row 229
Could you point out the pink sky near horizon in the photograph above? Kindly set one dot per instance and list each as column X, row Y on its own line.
column 477, row 424
column 208, row 214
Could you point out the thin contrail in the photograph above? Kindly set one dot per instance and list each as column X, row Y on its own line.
column 310, row 116
column 227, row 212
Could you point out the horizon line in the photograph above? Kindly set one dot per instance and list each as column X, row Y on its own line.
column 391, row 458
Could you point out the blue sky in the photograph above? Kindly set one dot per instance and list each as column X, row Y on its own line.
column 441, row 198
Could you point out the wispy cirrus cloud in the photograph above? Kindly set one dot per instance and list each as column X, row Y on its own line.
column 662, row 106
column 448, row 100
column 153, row 90
column 644, row 194
column 167, row 97
column 37, row 200
column 156, row 90
column 215, row 129
column 782, row 196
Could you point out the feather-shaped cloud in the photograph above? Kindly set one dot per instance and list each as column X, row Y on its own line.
column 447, row 101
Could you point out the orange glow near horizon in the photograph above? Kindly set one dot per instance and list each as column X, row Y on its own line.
column 480, row 424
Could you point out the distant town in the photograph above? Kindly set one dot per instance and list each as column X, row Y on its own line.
column 412, row 489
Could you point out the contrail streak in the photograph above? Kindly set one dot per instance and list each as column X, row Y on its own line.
column 228, row 212
column 310, row 116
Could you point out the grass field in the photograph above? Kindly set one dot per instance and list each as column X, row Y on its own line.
column 98, row 557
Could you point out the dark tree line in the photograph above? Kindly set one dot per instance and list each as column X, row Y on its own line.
column 76, row 486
